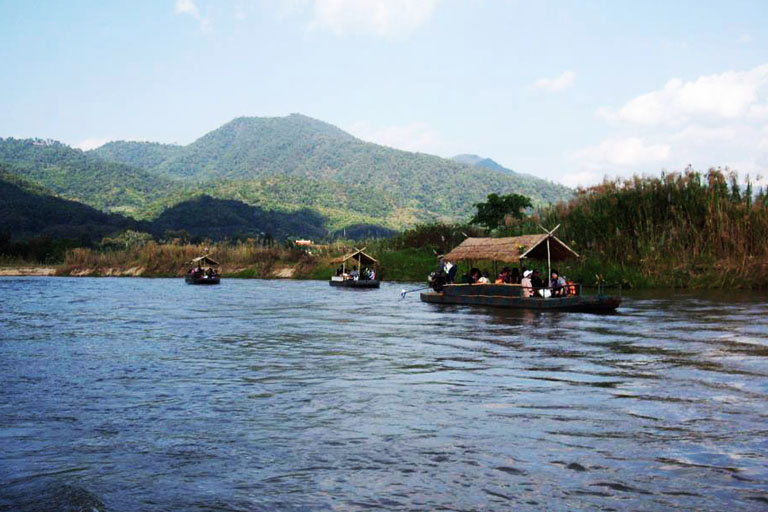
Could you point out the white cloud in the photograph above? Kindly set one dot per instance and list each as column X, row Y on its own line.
column 763, row 145
column 632, row 153
column 701, row 135
column 91, row 143
column 745, row 38
column 558, row 83
column 391, row 19
column 417, row 136
column 725, row 96
column 581, row 179
column 189, row 7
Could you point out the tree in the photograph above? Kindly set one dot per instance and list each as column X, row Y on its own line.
column 491, row 213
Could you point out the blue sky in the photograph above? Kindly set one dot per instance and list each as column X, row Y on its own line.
column 568, row 91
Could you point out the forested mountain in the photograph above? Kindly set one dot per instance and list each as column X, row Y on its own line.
column 290, row 164
column 27, row 210
column 212, row 218
column 479, row 161
column 296, row 160
column 144, row 155
column 75, row 175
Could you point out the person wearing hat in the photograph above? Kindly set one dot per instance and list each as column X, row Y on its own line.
column 526, row 284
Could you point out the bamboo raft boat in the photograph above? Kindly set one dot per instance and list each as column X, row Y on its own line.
column 516, row 250
column 202, row 271
column 357, row 278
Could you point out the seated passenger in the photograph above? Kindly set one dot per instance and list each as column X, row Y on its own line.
column 536, row 283
column 557, row 284
column 504, row 277
column 526, row 284
column 514, row 276
column 472, row 277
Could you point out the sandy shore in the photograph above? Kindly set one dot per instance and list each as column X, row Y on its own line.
column 27, row 271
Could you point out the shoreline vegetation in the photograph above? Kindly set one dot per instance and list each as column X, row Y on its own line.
column 679, row 230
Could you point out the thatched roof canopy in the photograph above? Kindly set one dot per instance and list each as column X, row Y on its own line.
column 203, row 261
column 359, row 256
column 512, row 249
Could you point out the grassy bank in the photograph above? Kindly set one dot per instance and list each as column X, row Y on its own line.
column 171, row 260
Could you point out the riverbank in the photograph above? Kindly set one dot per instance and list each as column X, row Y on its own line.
column 414, row 265
column 28, row 271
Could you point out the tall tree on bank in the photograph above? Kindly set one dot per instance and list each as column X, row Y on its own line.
column 491, row 213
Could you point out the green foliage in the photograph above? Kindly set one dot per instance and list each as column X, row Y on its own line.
column 74, row 175
column 492, row 213
column 406, row 264
column 682, row 229
column 28, row 211
column 298, row 162
column 128, row 239
column 438, row 238
column 144, row 155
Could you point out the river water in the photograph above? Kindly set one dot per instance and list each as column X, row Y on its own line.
column 149, row 394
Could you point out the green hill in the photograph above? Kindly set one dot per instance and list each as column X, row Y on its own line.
column 144, row 155
column 212, row 218
column 28, row 210
column 290, row 164
column 73, row 174
column 297, row 162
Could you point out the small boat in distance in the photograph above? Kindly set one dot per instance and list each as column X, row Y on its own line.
column 203, row 271
column 512, row 250
column 362, row 273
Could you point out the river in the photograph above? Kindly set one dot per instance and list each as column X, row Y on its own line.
column 129, row 394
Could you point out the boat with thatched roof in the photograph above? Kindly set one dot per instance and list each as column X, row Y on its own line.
column 357, row 270
column 203, row 270
column 516, row 250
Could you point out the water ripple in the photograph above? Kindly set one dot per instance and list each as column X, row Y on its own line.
column 148, row 394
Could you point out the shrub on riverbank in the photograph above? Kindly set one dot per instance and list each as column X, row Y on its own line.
column 167, row 260
column 681, row 229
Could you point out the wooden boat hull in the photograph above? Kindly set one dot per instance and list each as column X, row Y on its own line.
column 360, row 283
column 506, row 296
column 202, row 280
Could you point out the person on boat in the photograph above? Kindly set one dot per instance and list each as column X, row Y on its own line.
column 450, row 271
column 504, row 277
column 472, row 276
column 557, row 284
column 536, row 283
column 354, row 274
column 372, row 274
column 526, row 284
column 483, row 279
column 514, row 276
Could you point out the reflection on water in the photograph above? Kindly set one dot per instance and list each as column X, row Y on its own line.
column 138, row 394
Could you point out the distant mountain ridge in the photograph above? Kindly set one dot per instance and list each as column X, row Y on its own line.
column 289, row 164
column 479, row 161
column 402, row 188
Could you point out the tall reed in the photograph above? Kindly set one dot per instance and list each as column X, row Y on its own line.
column 703, row 229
